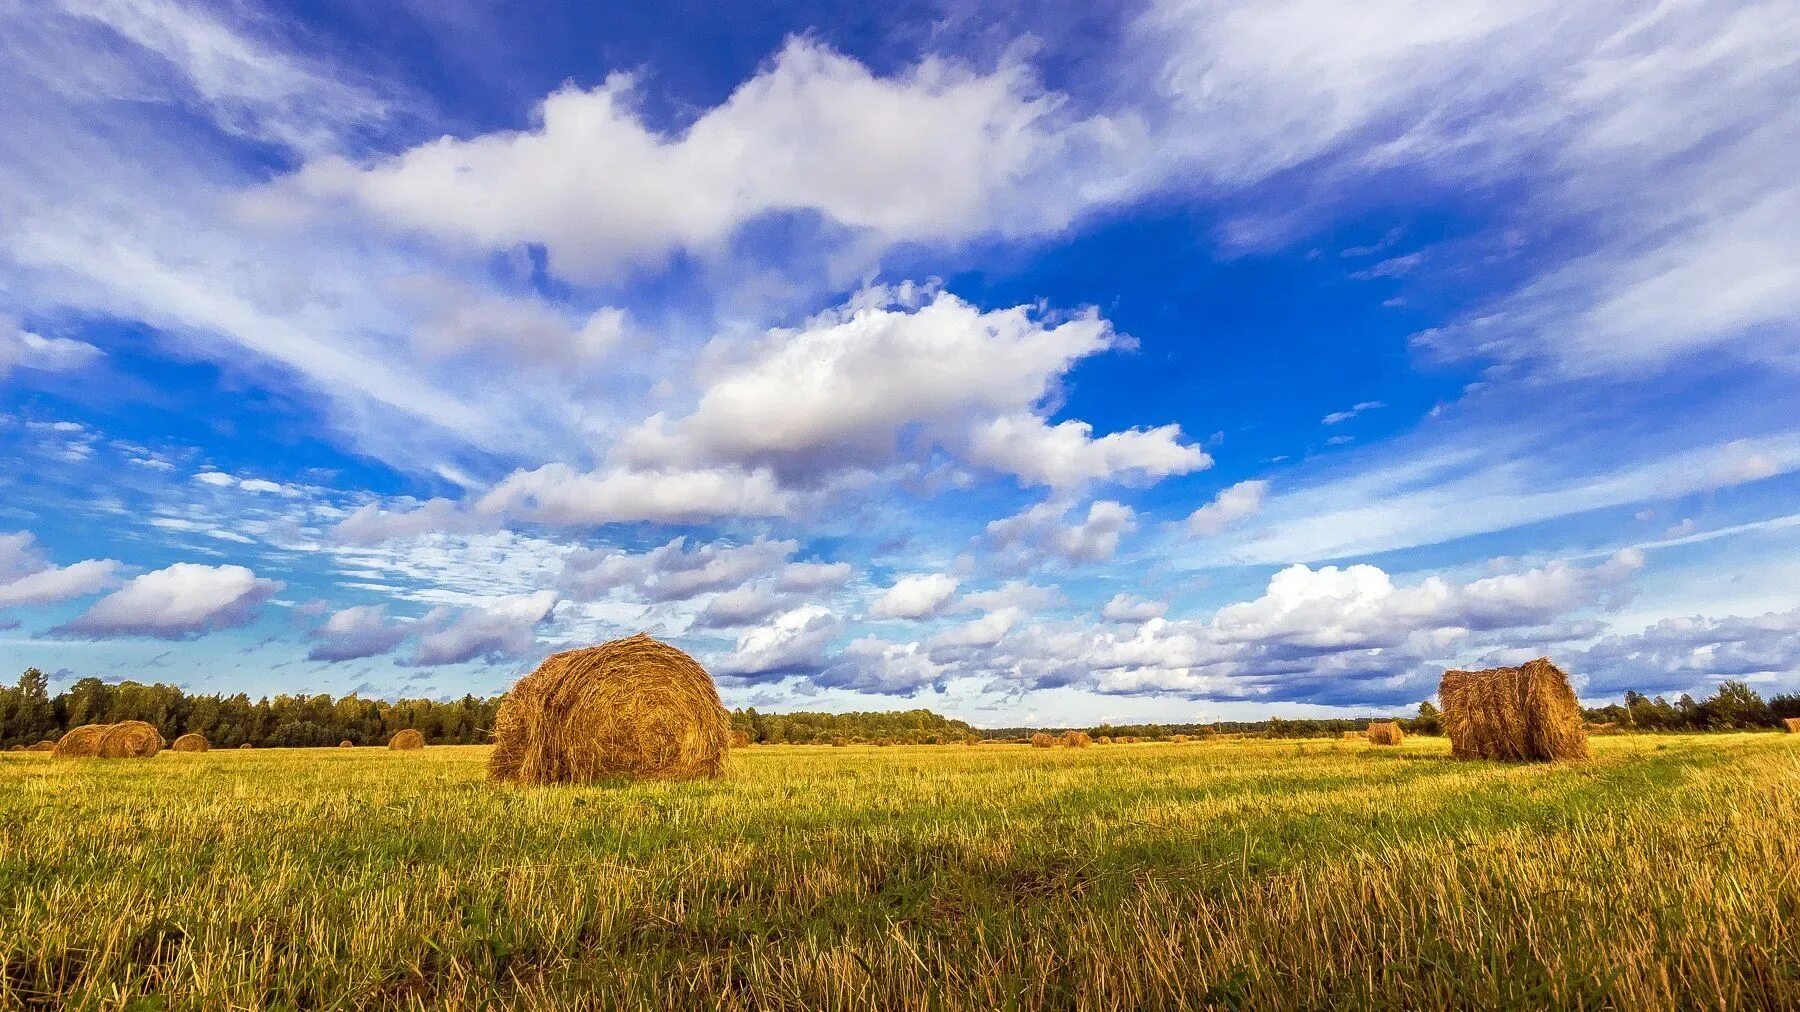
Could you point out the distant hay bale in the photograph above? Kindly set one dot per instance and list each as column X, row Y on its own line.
column 130, row 739
column 1603, row 728
column 1385, row 732
column 837, row 741
column 633, row 707
column 406, row 739
column 346, row 743
column 1792, row 724
column 884, row 742
column 190, row 742
column 16, row 748
column 1076, row 739
column 1527, row 713
column 740, row 739
column 1042, row 740
column 43, row 746
column 1353, row 735
column 1105, row 739
column 81, row 742
column 246, row 745
column 1179, row 739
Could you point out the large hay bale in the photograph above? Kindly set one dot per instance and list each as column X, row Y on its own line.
column 1792, row 724
column 190, row 742
column 1076, row 739
column 632, row 707
column 1527, row 713
column 81, row 742
column 1043, row 740
column 740, row 739
column 1385, row 732
column 130, row 739
column 406, row 740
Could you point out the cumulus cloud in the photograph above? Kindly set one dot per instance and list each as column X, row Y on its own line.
column 1067, row 454
column 559, row 494
column 357, row 632
column 27, row 578
column 1692, row 652
column 22, row 349
column 1229, row 506
column 504, row 630
column 1041, row 531
column 1130, row 610
column 372, row 525
column 920, row 595
column 180, row 602
column 939, row 152
column 870, row 664
column 675, row 571
column 795, row 642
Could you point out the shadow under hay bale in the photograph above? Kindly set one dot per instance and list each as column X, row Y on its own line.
column 131, row 739
column 1385, row 732
column 81, row 742
column 633, row 707
column 406, row 740
column 1527, row 713
column 190, row 742
column 1042, row 740
column 1076, row 739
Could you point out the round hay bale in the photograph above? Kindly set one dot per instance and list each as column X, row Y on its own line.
column 1353, row 735
column 406, row 740
column 1076, row 739
column 1527, row 713
column 81, row 742
column 884, row 742
column 43, row 746
column 246, row 745
column 15, row 748
column 130, row 739
column 1385, row 732
column 1792, row 724
column 634, row 707
column 1043, row 740
column 740, row 739
column 190, row 742
column 838, row 741
column 1105, row 739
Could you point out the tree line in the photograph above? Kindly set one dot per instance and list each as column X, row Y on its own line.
column 29, row 713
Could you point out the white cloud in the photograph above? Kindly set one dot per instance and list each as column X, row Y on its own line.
column 1358, row 408
column 1130, row 610
column 502, row 630
column 558, row 494
column 1229, row 506
column 675, row 571
column 357, row 632
column 27, row 578
column 811, row 577
column 939, row 153
column 917, row 596
column 181, row 601
column 1067, row 454
column 372, row 525
column 22, row 349
column 1040, row 530
column 795, row 642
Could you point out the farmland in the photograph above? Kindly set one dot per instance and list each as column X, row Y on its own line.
column 1235, row 874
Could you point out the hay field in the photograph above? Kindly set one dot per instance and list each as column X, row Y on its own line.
column 1248, row 874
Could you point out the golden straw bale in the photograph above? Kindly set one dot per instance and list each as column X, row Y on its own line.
column 632, row 707
column 16, row 748
column 1792, row 724
column 43, row 746
column 1353, row 735
column 246, row 745
column 406, row 740
column 191, row 742
column 740, row 739
column 1385, row 732
column 1105, row 739
column 1603, row 728
column 838, row 741
column 1179, row 739
column 1076, row 739
column 1043, row 740
column 346, row 743
column 81, row 742
column 884, row 742
column 1519, row 714
column 130, row 739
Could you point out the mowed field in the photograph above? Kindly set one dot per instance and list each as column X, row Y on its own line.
column 1253, row 874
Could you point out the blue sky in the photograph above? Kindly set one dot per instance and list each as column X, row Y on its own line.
column 1051, row 364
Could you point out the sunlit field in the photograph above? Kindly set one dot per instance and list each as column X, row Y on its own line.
column 1248, row 874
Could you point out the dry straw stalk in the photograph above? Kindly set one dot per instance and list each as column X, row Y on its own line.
column 633, row 707
column 1527, row 713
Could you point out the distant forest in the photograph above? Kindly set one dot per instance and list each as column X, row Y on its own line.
column 29, row 713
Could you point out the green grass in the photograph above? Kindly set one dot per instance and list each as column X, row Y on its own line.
column 1228, row 875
